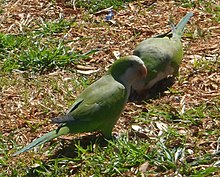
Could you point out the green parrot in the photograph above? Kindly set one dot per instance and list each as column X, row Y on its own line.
column 162, row 56
column 100, row 105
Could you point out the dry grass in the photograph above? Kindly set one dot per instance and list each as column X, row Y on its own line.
column 192, row 104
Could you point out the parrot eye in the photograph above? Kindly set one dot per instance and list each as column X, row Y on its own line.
column 131, row 64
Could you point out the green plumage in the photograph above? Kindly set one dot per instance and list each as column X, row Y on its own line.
column 162, row 56
column 100, row 105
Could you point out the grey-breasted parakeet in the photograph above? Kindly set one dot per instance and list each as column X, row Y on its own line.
column 100, row 105
column 162, row 56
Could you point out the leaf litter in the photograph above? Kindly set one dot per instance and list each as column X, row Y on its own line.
column 24, row 105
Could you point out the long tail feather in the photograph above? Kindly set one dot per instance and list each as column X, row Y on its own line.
column 43, row 139
column 178, row 30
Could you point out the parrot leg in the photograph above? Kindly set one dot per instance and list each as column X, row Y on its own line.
column 107, row 133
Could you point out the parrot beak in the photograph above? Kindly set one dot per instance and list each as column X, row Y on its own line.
column 143, row 72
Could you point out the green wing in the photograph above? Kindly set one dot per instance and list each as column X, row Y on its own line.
column 97, row 108
column 158, row 54
column 163, row 53
column 162, row 56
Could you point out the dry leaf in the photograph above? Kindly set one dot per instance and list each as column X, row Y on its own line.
column 144, row 167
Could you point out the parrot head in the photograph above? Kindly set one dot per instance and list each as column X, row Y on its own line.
column 128, row 69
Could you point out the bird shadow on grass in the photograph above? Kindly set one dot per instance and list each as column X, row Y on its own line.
column 69, row 148
column 159, row 88
column 157, row 91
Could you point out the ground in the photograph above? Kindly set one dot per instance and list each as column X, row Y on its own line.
column 177, row 134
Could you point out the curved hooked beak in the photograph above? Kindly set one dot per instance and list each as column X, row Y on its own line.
column 143, row 71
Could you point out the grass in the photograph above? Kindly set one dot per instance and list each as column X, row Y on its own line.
column 208, row 6
column 39, row 50
column 175, row 135
column 94, row 5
